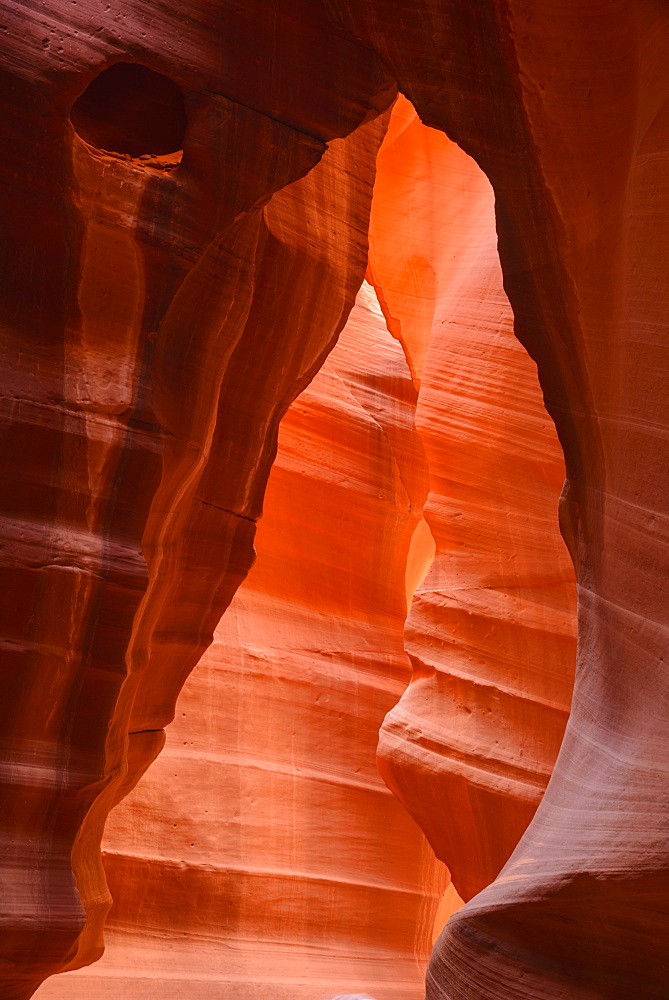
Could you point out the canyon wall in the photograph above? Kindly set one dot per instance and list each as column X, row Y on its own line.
column 134, row 260
column 472, row 744
column 264, row 827
column 566, row 109
column 138, row 423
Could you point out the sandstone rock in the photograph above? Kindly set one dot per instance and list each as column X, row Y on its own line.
column 565, row 108
column 128, row 300
column 471, row 745
column 264, row 827
column 342, row 545
column 125, row 296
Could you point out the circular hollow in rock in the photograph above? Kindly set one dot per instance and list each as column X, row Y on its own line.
column 131, row 109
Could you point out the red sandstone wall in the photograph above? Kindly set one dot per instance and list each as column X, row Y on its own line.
column 263, row 828
column 141, row 399
column 471, row 746
column 564, row 106
column 264, row 825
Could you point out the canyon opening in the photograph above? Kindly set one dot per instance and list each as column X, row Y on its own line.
column 333, row 509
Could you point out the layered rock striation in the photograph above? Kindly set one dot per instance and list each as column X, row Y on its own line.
column 263, row 827
column 139, row 426
column 264, row 818
column 490, row 634
column 565, row 108
column 133, row 237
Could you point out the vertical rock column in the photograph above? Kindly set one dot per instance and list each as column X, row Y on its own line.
column 470, row 747
column 139, row 154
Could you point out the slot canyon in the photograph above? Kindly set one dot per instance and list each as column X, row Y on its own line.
column 335, row 500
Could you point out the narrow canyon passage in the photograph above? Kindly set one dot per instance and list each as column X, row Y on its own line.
column 264, row 824
column 192, row 196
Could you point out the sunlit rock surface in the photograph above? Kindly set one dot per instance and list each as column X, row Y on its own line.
column 275, row 830
column 566, row 108
column 264, row 824
column 127, row 286
column 471, row 745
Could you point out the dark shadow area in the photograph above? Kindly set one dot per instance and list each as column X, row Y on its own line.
column 131, row 109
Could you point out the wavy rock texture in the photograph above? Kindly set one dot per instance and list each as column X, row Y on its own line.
column 135, row 428
column 471, row 745
column 566, row 109
column 126, row 290
column 268, row 838
column 264, row 828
